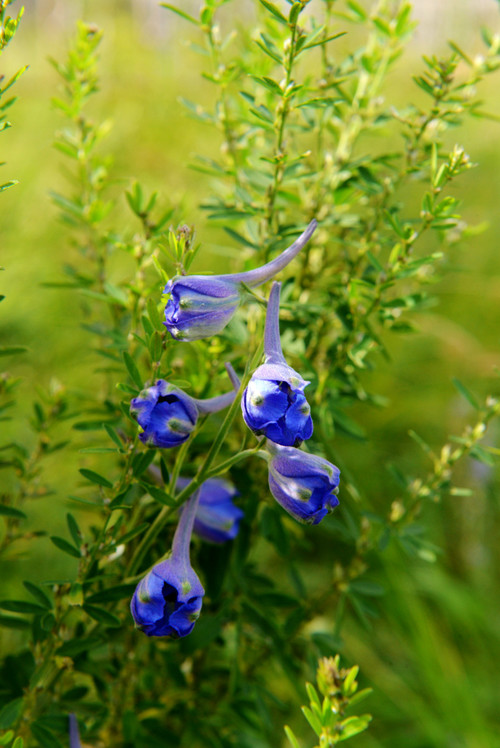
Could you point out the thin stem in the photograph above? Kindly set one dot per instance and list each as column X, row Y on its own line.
column 200, row 477
column 272, row 343
column 213, row 404
column 182, row 536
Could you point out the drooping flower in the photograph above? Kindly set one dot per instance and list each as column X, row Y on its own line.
column 202, row 305
column 302, row 483
column 167, row 602
column 168, row 415
column 274, row 403
column 217, row 518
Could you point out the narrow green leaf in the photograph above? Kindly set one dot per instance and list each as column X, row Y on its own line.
column 274, row 10
column 21, row 606
column 95, row 478
column 132, row 370
column 74, row 529
column 102, row 616
column 12, row 349
column 120, row 592
column 11, row 622
column 291, row 737
column 180, row 13
column 63, row 545
column 39, row 594
column 466, row 393
column 159, row 495
column 10, row 511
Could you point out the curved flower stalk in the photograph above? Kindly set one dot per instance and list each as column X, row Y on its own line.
column 202, row 305
column 167, row 415
column 274, row 403
column 167, row 602
column 302, row 483
column 217, row 518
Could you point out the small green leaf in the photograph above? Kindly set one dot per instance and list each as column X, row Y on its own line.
column 274, row 10
column 180, row 13
column 132, row 369
column 466, row 393
column 63, row 545
column 159, row 495
column 120, row 592
column 11, row 350
column 22, row 606
column 10, row 713
column 102, row 616
column 74, row 529
column 39, row 594
column 10, row 511
column 291, row 737
column 95, row 478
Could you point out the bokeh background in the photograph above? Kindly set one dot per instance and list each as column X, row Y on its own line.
column 432, row 654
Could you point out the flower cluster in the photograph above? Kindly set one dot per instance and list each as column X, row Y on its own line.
column 168, row 600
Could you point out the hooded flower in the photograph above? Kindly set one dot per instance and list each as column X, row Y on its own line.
column 167, row 415
column 167, row 602
column 202, row 305
column 274, row 403
column 217, row 518
column 302, row 483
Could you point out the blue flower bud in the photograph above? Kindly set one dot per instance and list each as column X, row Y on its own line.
column 274, row 403
column 167, row 415
column 217, row 518
column 199, row 306
column 302, row 483
column 167, row 602
column 202, row 305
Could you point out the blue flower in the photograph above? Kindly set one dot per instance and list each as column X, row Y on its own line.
column 167, row 415
column 167, row 602
column 199, row 306
column 302, row 483
column 202, row 305
column 274, row 403
column 217, row 518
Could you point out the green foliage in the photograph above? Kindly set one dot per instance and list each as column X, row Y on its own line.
column 338, row 688
column 8, row 28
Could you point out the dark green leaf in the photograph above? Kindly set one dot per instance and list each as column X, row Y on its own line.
column 132, row 369
column 10, row 350
column 10, row 713
column 466, row 393
column 21, row 606
column 95, row 478
column 10, row 511
column 39, row 594
column 120, row 592
column 63, row 545
column 102, row 616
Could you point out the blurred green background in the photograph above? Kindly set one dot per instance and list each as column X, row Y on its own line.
column 432, row 654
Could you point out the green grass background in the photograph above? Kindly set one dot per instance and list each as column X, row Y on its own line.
column 432, row 656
